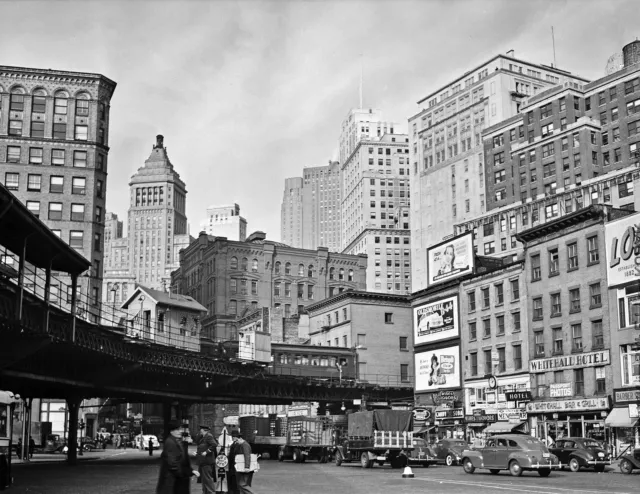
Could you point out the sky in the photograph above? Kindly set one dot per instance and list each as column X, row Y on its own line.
column 247, row 93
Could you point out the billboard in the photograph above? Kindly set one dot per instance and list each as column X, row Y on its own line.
column 438, row 369
column 436, row 320
column 623, row 250
column 450, row 259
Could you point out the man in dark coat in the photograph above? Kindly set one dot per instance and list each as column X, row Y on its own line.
column 175, row 470
column 244, row 477
column 205, row 456
column 233, row 451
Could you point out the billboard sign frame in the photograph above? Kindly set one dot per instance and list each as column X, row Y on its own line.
column 450, row 259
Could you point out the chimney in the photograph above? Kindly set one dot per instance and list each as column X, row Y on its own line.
column 159, row 141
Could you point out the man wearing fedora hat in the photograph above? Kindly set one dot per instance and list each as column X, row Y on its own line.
column 205, row 456
column 243, row 477
column 175, row 470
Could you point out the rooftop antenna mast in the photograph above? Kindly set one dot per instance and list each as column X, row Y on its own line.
column 360, row 81
column 553, row 41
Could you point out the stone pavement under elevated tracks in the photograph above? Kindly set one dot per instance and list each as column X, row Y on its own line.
column 134, row 472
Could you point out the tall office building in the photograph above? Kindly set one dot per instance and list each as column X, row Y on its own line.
column 321, row 201
column 375, row 214
column 225, row 221
column 54, row 135
column 157, row 230
column 291, row 213
column 446, row 149
column 362, row 123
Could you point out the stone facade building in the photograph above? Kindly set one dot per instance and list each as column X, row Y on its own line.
column 54, row 145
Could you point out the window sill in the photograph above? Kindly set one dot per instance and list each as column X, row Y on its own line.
column 573, row 269
column 486, row 337
column 577, row 350
column 500, row 304
column 555, row 273
column 516, row 331
column 598, row 306
column 500, row 334
column 472, row 339
column 537, row 319
column 515, row 300
column 597, row 347
column 593, row 263
column 533, row 280
column 559, row 314
column 557, row 353
column 401, row 349
column 472, row 311
column 575, row 311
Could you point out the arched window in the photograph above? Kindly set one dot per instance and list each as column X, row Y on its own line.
column 301, row 270
column 60, row 102
column 341, row 275
column 332, row 273
column 287, row 268
column 351, row 275
column 82, row 104
column 16, row 102
column 254, row 265
column 310, row 273
column 245, row 264
column 234, row 263
column 277, row 270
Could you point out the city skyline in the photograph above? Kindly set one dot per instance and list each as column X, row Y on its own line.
column 295, row 81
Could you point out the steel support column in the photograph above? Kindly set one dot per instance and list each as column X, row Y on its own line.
column 74, row 303
column 73, row 404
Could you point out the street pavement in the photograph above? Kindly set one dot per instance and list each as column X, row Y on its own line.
column 134, row 472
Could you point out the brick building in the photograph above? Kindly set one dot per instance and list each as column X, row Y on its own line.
column 570, row 328
column 54, row 144
column 377, row 325
column 229, row 278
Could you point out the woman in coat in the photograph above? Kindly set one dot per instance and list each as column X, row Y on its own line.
column 175, row 470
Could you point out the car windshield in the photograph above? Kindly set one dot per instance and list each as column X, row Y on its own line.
column 457, row 443
column 591, row 444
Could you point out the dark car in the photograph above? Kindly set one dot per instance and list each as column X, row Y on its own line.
column 54, row 444
column 580, row 452
column 449, row 450
column 630, row 461
column 513, row 452
column 420, row 454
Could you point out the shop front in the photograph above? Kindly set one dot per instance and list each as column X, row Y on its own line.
column 582, row 417
column 623, row 421
column 450, row 423
column 439, row 415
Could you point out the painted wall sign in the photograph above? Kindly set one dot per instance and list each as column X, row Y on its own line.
column 438, row 369
column 622, row 250
column 450, row 259
column 626, row 396
column 518, row 396
column 450, row 413
column 567, row 405
column 435, row 321
column 559, row 390
column 577, row 361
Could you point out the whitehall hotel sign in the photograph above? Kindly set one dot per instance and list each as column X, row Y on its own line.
column 576, row 361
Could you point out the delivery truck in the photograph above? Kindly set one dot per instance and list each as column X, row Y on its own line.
column 378, row 436
column 265, row 434
column 312, row 438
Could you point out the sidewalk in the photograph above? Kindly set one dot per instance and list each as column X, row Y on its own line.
column 98, row 454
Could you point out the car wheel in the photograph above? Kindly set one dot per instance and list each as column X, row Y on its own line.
column 544, row 472
column 303, row 458
column 364, row 460
column 467, row 465
column 599, row 468
column 494, row 471
column 626, row 467
column 338, row 459
column 280, row 455
column 449, row 460
column 297, row 456
column 515, row 469
column 574, row 465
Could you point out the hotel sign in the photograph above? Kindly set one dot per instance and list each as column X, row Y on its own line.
column 567, row 405
column 576, row 361
column 518, row 396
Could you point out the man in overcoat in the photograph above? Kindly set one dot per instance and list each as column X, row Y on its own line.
column 175, row 469
column 206, row 456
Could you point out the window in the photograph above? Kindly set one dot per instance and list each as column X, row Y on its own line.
column 536, row 272
column 485, row 298
column 55, row 210
column 403, row 343
column 98, row 217
column 60, row 106
column 578, row 379
column 539, row 343
column 595, row 296
column 404, row 373
column 15, row 127
column 309, row 292
column 472, row 331
column 486, row 328
column 97, row 242
column 388, row 317
column 515, row 290
column 35, row 156
column 59, row 130
column 37, row 129
column 34, row 208
column 489, row 247
column 500, row 176
column 78, row 185
column 516, row 321
column 80, row 159
column 487, row 362
column 500, row 325
column 34, row 182
column 76, row 239
column 547, row 130
column 13, row 154
column 11, row 180
column 287, row 289
column 474, row 363
column 82, row 133
column 499, row 294
column 557, row 341
column 300, row 290
column 556, row 304
column 287, row 268
column 82, row 107
column 632, row 86
column 600, row 381
column 576, row 337
column 572, row 253
column 574, row 300
column 254, row 266
column 537, row 309
column 56, row 184
column 597, row 333
column 502, row 364
column 554, row 262
column 517, row 357
column 625, row 189
column 471, row 297
column 630, row 360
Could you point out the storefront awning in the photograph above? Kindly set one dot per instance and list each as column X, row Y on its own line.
column 422, row 430
column 505, row 427
column 619, row 417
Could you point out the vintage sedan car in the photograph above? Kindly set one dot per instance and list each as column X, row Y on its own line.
column 513, row 452
column 419, row 455
column 449, row 450
column 630, row 461
column 580, row 452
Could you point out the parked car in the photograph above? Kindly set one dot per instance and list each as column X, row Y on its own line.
column 630, row 461
column 513, row 452
column 420, row 454
column 580, row 452
column 54, row 444
column 145, row 441
column 449, row 451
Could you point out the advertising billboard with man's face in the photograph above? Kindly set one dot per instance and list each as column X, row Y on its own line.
column 438, row 369
column 450, row 259
column 435, row 321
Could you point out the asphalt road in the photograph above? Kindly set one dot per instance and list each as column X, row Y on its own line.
column 133, row 472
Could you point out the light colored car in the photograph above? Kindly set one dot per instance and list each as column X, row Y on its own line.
column 513, row 452
column 145, row 441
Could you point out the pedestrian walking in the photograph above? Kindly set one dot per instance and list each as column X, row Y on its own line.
column 150, row 446
column 232, row 482
column 175, row 469
column 244, row 477
column 117, row 441
column 32, row 446
column 205, row 455
column 19, row 448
